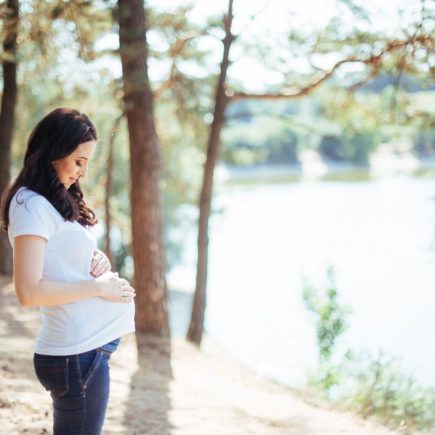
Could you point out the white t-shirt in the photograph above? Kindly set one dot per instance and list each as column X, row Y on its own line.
column 78, row 326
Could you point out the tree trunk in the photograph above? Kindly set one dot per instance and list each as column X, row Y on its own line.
column 108, row 192
column 7, row 117
column 146, row 202
column 196, row 326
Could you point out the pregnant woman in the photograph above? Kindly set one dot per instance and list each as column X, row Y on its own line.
column 85, row 308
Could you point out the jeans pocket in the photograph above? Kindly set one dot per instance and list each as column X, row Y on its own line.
column 52, row 373
column 89, row 363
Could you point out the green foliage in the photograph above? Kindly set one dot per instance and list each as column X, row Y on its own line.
column 377, row 387
column 331, row 323
column 182, row 144
column 425, row 142
column 342, row 127
column 381, row 388
column 330, row 315
column 332, row 148
column 263, row 141
column 359, row 145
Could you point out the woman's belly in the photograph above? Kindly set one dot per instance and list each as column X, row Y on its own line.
column 82, row 323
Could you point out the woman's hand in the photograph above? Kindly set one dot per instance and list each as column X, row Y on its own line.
column 100, row 263
column 115, row 289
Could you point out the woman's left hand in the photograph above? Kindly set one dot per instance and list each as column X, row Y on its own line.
column 100, row 263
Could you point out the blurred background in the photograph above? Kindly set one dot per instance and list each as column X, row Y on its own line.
column 321, row 233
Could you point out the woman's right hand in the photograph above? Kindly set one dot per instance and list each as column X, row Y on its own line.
column 115, row 289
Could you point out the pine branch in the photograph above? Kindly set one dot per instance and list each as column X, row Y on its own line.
column 374, row 61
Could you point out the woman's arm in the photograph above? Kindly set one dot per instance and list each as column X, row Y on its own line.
column 32, row 289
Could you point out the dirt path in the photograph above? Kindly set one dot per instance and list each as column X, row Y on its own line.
column 175, row 390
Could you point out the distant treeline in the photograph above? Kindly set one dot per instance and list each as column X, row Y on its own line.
column 342, row 127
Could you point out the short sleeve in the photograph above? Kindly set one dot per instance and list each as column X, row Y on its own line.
column 31, row 215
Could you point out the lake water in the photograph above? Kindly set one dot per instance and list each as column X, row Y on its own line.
column 379, row 237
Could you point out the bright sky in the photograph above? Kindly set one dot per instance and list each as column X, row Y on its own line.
column 275, row 12
column 273, row 19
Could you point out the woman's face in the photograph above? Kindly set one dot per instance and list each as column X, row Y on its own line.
column 75, row 165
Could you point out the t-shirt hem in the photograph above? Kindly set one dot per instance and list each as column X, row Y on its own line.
column 79, row 349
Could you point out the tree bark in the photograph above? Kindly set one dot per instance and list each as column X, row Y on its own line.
column 108, row 191
column 196, row 326
column 146, row 202
column 7, row 117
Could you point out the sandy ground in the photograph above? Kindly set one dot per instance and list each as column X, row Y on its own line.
column 167, row 387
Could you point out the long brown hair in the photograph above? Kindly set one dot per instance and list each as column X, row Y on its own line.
column 55, row 136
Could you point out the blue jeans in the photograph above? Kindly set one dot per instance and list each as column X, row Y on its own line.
column 79, row 386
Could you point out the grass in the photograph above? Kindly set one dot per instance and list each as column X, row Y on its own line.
column 371, row 387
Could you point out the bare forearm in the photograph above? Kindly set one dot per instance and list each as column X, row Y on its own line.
column 48, row 293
